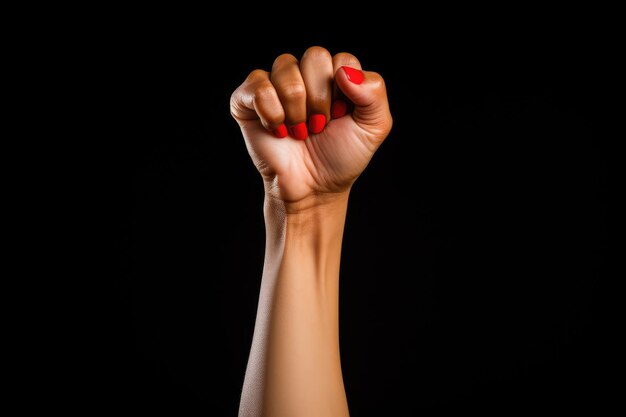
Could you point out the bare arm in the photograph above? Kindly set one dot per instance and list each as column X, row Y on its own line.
column 294, row 361
column 294, row 368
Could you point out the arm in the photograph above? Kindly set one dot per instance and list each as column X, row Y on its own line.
column 294, row 361
column 294, row 367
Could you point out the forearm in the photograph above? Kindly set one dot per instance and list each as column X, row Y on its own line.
column 294, row 367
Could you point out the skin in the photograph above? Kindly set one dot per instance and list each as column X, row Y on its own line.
column 294, row 368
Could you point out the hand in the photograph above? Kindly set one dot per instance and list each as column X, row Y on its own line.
column 324, row 156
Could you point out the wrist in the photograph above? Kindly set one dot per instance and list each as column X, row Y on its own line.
column 316, row 222
column 305, row 238
column 311, row 206
column 308, row 205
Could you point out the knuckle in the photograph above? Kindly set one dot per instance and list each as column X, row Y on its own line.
column 233, row 105
column 377, row 81
column 257, row 74
column 233, row 98
column 263, row 92
column 284, row 59
column 345, row 58
column 316, row 52
column 294, row 91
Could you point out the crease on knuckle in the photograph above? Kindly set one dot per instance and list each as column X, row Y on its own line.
column 346, row 59
column 294, row 92
column 263, row 92
column 236, row 109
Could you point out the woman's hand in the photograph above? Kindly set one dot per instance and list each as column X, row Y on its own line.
column 309, row 147
column 298, row 128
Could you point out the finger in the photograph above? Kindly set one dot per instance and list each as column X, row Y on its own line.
column 368, row 93
column 340, row 104
column 291, row 90
column 317, row 72
column 256, row 99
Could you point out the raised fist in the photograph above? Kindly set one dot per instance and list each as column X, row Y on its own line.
column 311, row 126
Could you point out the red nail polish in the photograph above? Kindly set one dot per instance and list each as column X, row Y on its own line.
column 354, row 74
column 317, row 123
column 299, row 131
column 281, row 131
column 338, row 109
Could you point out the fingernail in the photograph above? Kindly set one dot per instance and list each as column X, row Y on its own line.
column 338, row 109
column 299, row 131
column 281, row 131
column 353, row 74
column 317, row 123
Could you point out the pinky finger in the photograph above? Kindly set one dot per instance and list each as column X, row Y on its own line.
column 255, row 99
column 269, row 108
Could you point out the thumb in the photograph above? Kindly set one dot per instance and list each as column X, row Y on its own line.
column 368, row 93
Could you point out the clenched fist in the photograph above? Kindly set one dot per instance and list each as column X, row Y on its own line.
column 311, row 126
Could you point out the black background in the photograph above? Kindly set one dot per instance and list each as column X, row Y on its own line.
column 474, row 241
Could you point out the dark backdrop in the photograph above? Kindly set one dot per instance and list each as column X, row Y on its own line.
column 474, row 241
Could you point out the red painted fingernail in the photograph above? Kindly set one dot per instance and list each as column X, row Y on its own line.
column 338, row 109
column 299, row 131
column 317, row 123
column 354, row 74
column 281, row 131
